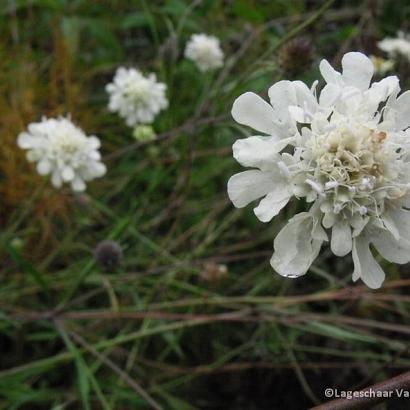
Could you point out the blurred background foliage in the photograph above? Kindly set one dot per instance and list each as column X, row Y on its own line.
column 191, row 316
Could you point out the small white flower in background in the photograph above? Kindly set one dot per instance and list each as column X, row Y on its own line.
column 394, row 47
column 347, row 155
column 136, row 98
column 205, row 51
column 382, row 65
column 63, row 151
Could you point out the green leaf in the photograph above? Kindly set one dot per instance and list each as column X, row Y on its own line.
column 340, row 333
column 134, row 20
column 81, row 367
column 28, row 268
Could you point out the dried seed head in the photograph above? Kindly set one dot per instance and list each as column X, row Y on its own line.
column 108, row 254
column 296, row 55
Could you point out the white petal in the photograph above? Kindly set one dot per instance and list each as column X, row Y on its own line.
column 78, row 184
column 391, row 249
column 247, row 186
column 271, row 205
column 110, row 88
column 44, row 167
column 320, row 123
column 56, row 179
column 329, row 220
column 298, row 114
column 357, row 70
column 318, row 232
column 305, row 97
column 281, row 95
column 260, row 152
column 67, row 174
column 295, row 249
column 358, row 223
column 380, row 91
column 25, row 140
column 401, row 218
column 330, row 75
column 94, row 142
column 251, row 110
column 406, row 200
column 329, row 95
column 99, row 169
column 365, row 266
column 399, row 112
column 341, row 242
column 291, row 93
column 391, row 226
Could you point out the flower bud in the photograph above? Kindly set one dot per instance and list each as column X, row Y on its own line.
column 108, row 254
column 144, row 133
column 296, row 55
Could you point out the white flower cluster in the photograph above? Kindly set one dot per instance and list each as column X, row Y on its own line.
column 399, row 46
column 346, row 152
column 63, row 151
column 205, row 51
column 136, row 98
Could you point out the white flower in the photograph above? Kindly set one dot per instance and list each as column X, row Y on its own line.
column 382, row 65
column 63, row 151
column 394, row 47
column 205, row 51
column 347, row 155
column 136, row 98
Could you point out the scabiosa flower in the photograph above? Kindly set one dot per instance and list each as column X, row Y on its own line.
column 347, row 156
column 136, row 98
column 205, row 51
column 396, row 47
column 63, row 151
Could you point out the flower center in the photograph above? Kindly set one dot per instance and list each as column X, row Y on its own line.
column 66, row 144
column 350, row 158
column 138, row 92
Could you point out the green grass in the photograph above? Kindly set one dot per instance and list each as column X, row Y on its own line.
column 161, row 331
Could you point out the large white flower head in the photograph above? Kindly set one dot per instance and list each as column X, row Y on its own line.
column 345, row 152
column 63, row 151
column 136, row 98
column 394, row 47
column 205, row 51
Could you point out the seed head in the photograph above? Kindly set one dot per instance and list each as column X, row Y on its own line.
column 108, row 254
column 296, row 55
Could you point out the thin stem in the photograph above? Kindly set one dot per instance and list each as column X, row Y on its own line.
column 123, row 375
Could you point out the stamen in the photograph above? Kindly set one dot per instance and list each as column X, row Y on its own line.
column 331, row 184
column 315, row 186
column 367, row 183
